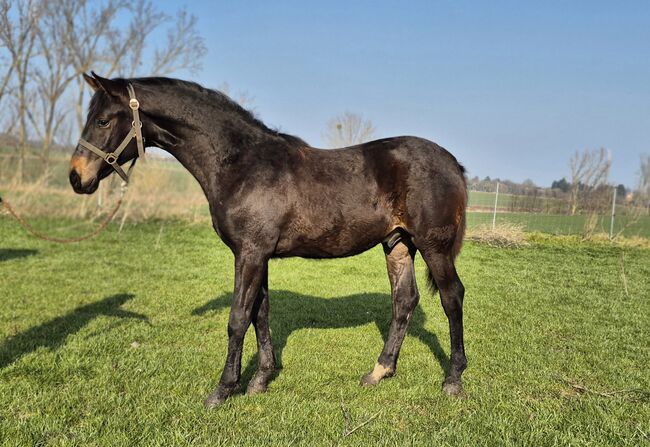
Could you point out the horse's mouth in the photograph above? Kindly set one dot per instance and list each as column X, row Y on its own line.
column 80, row 188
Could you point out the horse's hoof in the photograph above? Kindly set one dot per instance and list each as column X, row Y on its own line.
column 453, row 388
column 257, row 385
column 378, row 373
column 256, row 388
column 369, row 380
column 260, row 381
column 213, row 401
column 218, row 397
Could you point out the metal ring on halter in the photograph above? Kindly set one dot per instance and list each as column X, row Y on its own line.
column 110, row 158
column 134, row 104
column 133, row 124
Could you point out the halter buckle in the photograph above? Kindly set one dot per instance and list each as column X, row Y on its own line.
column 134, row 104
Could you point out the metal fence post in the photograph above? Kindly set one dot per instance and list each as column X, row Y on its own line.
column 494, row 215
column 611, row 224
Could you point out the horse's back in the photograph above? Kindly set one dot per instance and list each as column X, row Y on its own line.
column 344, row 201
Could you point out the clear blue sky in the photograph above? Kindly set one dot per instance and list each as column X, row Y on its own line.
column 511, row 88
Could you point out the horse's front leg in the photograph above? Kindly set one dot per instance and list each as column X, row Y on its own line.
column 260, row 318
column 249, row 272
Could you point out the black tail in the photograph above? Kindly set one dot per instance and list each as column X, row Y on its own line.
column 460, row 234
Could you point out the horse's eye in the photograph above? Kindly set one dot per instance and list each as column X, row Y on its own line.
column 103, row 123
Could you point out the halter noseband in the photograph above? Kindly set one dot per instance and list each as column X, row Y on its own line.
column 135, row 132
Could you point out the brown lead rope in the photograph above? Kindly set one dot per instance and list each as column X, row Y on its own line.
column 23, row 223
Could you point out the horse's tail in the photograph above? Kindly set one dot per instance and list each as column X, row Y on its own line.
column 460, row 229
column 462, row 221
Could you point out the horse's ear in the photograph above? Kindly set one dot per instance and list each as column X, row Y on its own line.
column 113, row 88
column 91, row 82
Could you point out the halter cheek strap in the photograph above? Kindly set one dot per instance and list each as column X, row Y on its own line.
column 135, row 132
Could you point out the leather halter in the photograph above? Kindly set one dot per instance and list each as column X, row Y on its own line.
column 135, row 132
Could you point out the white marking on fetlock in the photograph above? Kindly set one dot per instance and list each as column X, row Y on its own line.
column 380, row 371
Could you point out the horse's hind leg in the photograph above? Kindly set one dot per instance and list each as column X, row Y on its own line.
column 266, row 367
column 452, row 292
column 404, row 294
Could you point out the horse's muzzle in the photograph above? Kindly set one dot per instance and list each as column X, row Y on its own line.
column 89, row 188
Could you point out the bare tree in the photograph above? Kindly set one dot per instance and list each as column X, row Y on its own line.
column 243, row 98
column 18, row 37
column 52, row 76
column 348, row 129
column 184, row 48
column 98, row 41
column 644, row 175
column 85, row 34
column 642, row 195
column 47, row 44
column 6, row 61
column 589, row 172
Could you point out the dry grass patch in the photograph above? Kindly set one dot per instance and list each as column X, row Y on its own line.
column 505, row 235
column 158, row 190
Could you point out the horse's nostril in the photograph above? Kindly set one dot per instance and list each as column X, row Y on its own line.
column 75, row 180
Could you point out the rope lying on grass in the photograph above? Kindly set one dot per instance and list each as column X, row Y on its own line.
column 23, row 223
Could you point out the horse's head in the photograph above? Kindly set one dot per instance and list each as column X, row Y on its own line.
column 108, row 123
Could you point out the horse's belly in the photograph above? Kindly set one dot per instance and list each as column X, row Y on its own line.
column 332, row 239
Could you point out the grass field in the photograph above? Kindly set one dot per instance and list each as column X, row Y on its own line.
column 118, row 340
column 486, row 199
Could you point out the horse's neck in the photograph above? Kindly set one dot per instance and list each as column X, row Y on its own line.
column 205, row 142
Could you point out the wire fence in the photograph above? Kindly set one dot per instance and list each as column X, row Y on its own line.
column 162, row 189
column 555, row 212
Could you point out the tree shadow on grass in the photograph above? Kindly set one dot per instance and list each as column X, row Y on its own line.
column 53, row 333
column 7, row 254
column 292, row 311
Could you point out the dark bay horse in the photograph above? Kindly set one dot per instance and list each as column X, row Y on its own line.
column 271, row 195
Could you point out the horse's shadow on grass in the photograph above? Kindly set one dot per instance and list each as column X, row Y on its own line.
column 292, row 311
column 53, row 333
column 7, row 254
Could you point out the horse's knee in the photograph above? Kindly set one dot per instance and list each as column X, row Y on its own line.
column 238, row 323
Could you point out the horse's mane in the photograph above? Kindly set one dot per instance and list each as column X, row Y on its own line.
column 224, row 101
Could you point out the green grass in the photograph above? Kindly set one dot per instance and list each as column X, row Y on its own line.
column 486, row 199
column 69, row 374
